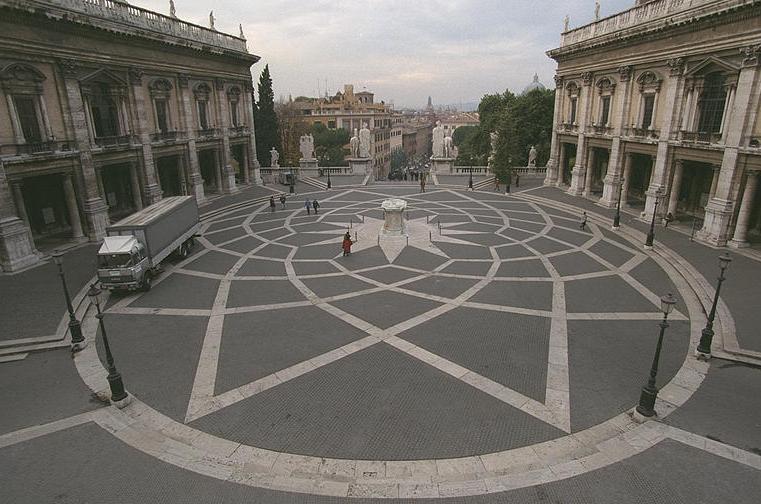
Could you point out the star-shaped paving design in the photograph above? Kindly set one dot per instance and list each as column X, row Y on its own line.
column 515, row 241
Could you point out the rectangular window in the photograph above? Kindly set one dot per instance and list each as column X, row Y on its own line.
column 234, row 113
column 27, row 116
column 203, row 119
column 647, row 111
column 162, row 122
column 331, row 125
column 573, row 111
column 605, row 112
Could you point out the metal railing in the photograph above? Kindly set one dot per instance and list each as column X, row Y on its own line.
column 41, row 148
column 136, row 17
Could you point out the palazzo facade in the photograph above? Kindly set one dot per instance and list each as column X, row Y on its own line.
column 107, row 108
column 660, row 104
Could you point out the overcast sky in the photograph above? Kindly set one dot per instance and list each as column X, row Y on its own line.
column 402, row 50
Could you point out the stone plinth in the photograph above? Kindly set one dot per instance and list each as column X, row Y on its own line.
column 361, row 166
column 442, row 165
column 16, row 246
column 393, row 213
column 308, row 167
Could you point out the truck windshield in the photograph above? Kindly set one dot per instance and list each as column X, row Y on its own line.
column 114, row 260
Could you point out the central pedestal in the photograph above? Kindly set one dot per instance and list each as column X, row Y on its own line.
column 393, row 214
column 442, row 166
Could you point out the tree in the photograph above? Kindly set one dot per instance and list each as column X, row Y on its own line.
column 329, row 145
column 265, row 119
column 291, row 127
column 398, row 159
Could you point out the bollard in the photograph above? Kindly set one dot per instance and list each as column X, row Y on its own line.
column 430, row 237
column 378, row 239
column 439, row 227
column 692, row 233
column 363, row 218
column 355, row 236
column 408, row 240
column 350, row 223
column 426, row 219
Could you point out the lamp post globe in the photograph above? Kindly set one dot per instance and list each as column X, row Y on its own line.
column 78, row 341
column 646, row 406
column 706, row 336
column 119, row 396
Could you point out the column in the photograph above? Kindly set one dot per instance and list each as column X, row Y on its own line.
column 194, row 171
column 740, row 238
column 16, row 245
column 580, row 167
column 551, row 176
column 95, row 210
column 714, row 181
column 627, row 178
column 612, row 179
column 18, row 134
column 720, row 207
column 228, row 174
column 137, row 200
column 44, row 116
column 660, row 168
column 217, row 170
column 144, row 129
column 590, row 173
column 253, row 161
column 676, row 184
column 72, row 207
column 561, row 164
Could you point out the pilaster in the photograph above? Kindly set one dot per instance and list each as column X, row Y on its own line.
column 151, row 191
column 16, row 246
column 551, row 176
column 580, row 167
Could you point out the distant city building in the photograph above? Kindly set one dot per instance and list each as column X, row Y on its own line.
column 109, row 107
column 452, row 121
column 535, row 84
column 661, row 102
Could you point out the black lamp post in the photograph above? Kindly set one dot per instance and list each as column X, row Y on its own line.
column 290, row 188
column 329, row 185
column 617, row 216
column 75, row 329
column 119, row 396
column 651, row 233
column 706, row 337
column 470, row 179
column 646, row 406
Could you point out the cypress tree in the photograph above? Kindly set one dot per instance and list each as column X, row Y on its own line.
column 265, row 120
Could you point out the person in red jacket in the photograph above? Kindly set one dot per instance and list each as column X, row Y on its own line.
column 347, row 243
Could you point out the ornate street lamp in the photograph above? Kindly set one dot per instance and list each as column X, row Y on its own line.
column 617, row 216
column 78, row 342
column 329, row 185
column 651, row 233
column 470, row 179
column 291, row 190
column 706, row 337
column 646, row 406
column 119, row 396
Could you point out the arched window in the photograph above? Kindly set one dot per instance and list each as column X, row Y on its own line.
column 711, row 103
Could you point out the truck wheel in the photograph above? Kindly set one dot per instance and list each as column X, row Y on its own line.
column 147, row 282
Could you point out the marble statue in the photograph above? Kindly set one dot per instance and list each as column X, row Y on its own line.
column 597, row 11
column 364, row 142
column 172, row 10
column 448, row 145
column 532, row 157
column 354, row 144
column 566, row 20
column 306, row 146
column 240, row 35
column 438, row 141
column 274, row 158
column 493, row 137
column 211, row 20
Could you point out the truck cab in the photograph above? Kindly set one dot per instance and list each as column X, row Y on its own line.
column 123, row 264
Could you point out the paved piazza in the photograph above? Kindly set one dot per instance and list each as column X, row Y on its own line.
column 498, row 346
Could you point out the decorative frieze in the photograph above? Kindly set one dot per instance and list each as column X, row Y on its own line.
column 586, row 78
column 624, row 72
column 182, row 80
column 676, row 66
column 135, row 76
column 558, row 81
column 69, row 67
column 751, row 55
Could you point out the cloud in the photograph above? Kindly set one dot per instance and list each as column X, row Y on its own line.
column 452, row 50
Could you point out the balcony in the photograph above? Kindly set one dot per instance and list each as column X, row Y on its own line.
column 568, row 128
column 208, row 133
column 699, row 137
column 239, row 131
column 600, row 129
column 167, row 136
column 41, row 148
column 645, row 133
column 112, row 142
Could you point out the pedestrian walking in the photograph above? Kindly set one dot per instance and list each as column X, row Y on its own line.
column 308, row 206
column 667, row 220
column 583, row 225
column 315, row 205
column 496, row 184
column 282, row 200
column 346, row 244
column 272, row 203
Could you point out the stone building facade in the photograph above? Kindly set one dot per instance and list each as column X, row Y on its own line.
column 661, row 102
column 107, row 108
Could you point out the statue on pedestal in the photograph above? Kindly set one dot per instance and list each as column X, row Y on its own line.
column 354, row 144
column 306, row 146
column 438, row 141
column 597, row 10
column 274, row 158
column 364, row 142
column 448, row 145
column 566, row 20
column 532, row 157
column 172, row 10
column 493, row 137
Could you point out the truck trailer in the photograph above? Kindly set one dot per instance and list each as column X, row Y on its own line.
column 134, row 247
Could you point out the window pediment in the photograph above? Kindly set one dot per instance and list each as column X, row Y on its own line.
column 605, row 85
column 649, row 80
column 160, row 88
column 202, row 91
column 572, row 88
column 233, row 93
column 104, row 76
column 710, row 65
column 22, row 79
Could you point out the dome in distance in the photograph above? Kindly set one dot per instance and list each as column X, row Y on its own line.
column 535, row 84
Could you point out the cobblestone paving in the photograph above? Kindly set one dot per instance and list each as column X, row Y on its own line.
column 500, row 348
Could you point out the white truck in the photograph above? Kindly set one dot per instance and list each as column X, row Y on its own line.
column 135, row 246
